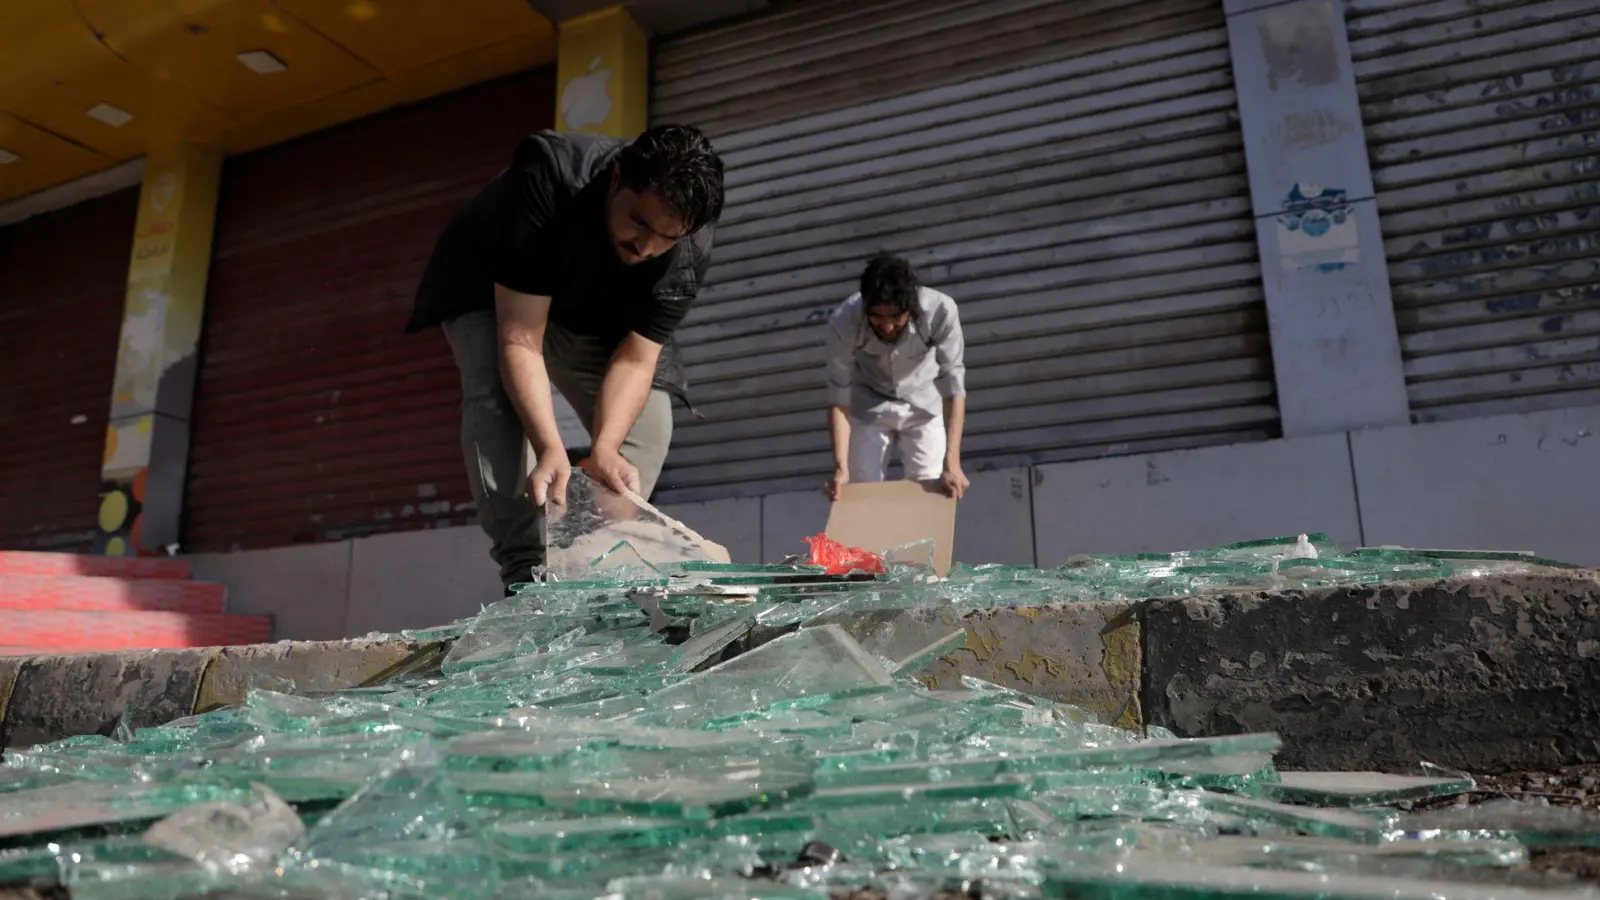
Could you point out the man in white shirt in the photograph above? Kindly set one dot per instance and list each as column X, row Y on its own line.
column 896, row 376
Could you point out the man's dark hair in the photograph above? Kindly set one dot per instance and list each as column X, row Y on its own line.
column 676, row 163
column 890, row 281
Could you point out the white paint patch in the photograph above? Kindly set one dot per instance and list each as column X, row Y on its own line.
column 79, row 419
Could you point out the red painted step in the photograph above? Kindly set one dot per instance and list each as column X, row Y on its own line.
column 110, row 594
column 73, row 631
column 25, row 562
column 28, row 651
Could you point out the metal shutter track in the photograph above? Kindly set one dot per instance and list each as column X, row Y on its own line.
column 63, row 276
column 1091, row 217
column 1481, row 121
column 316, row 417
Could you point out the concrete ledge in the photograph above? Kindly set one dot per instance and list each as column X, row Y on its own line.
column 1085, row 654
column 304, row 666
column 1486, row 675
column 52, row 697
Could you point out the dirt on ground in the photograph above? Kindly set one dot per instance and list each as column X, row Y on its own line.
column 1574, row 786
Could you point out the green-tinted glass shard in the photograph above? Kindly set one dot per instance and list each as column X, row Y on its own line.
column 1530, row 823
column 64, row 808
column 597, row 833
column 140, row 880
column 1345, row 824
column 1360, row 788
column 921, row 659
column 809, row 663
column 702, row 647
column 897, row 793
column 672, row 887
column 504, row 751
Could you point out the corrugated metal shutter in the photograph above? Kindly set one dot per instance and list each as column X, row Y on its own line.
column 62, row 276
column 1481, row 123
column 1089, row 212
column 316, row 417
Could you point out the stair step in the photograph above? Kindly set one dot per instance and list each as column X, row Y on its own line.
column 110, row 594
column 28, row 651
column 27, row 562
column 74, row 631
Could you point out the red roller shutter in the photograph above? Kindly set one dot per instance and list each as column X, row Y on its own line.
column 61, row 286
column 316, row 418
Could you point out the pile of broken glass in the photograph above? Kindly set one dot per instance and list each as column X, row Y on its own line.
column 681, row 728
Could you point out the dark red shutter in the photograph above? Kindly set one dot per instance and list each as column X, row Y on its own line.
column 316, row 417
column 62, row 280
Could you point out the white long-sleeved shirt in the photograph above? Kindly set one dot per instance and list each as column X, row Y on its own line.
column 868, row 376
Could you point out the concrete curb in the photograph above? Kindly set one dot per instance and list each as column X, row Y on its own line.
column 1484, row 674
column 46, row 698
column 1085, row 654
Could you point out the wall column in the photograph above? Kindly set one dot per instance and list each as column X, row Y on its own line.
column 147, row 443
column 1334, row 343
column 603, row 74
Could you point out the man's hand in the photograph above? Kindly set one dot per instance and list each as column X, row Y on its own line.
column 548, row 483
column 612, row 470
column 834, row 489
column 954, row 481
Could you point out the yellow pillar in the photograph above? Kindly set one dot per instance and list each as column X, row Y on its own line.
column 147, row 442
column 603, row 74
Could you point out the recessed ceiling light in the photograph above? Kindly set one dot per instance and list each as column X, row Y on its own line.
column 111, row 115
column 7, row 157
column 262, row 62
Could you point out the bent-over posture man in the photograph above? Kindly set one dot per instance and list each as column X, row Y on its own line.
column 572, row 268
column 896, row 376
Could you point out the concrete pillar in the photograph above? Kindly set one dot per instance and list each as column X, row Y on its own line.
column 1334, row 342
column 603, row 74
column 147, row 442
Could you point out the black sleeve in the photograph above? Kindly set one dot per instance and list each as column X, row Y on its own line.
column 524, row 255
column 672, row 296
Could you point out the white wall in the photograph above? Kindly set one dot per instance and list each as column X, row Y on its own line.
column 1516, row 482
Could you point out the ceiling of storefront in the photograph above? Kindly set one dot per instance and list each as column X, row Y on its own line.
column 86, row 84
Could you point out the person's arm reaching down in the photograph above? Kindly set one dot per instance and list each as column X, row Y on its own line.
column 841, row 360
column 522, row 319
column 622, row 397
column 950, row 352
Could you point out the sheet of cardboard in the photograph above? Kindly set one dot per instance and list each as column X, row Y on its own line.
column 887, row 514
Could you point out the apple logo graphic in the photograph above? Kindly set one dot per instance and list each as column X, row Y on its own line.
column 586, row 99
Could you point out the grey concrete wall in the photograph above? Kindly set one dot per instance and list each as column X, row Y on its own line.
column 1187, row 499
column 1519, row 482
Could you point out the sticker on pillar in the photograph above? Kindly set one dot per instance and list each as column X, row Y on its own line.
column 1317, row 230
column 139, row 349
column 586, row 100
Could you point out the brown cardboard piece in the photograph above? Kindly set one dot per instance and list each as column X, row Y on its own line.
column 886, row 514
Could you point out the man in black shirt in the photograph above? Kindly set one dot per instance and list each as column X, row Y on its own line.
column 572, row 268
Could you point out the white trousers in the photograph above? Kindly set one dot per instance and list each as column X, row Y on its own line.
column 922, row 445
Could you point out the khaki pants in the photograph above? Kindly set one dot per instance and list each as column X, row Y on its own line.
column 496, row 451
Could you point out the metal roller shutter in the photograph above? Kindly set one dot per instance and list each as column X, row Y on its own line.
column 1481, row 122
column 62, row 280
column 1072, row 173
column 316, row 418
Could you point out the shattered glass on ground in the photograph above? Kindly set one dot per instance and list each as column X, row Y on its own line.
column 628, row 735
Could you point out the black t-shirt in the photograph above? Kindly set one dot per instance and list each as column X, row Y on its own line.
column 539, row 228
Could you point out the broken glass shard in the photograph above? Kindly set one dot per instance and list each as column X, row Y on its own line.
column 1360, row 788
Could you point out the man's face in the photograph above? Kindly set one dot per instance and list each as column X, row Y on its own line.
column 888, row 323
column 641, row 226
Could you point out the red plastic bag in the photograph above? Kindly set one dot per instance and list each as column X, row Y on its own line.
column 837, row 559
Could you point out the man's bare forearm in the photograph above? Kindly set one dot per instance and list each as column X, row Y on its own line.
column 527, row 383
column 839, row 429
column 623, row 393
column 955, row 422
